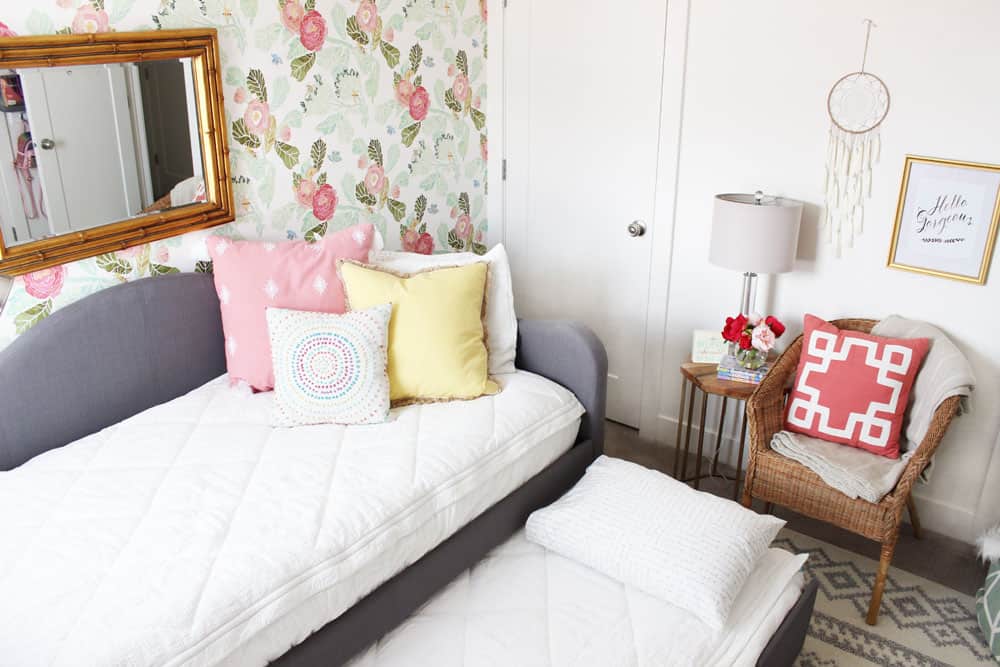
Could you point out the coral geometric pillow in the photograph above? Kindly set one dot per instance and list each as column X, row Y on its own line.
column 253, row 275
column 852, row 387
column 330, row 369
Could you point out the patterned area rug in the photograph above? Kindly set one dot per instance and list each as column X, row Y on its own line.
column 921, row 622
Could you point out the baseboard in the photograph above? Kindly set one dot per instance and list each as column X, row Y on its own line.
column 666, row 433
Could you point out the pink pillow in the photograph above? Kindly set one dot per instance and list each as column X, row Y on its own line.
column 252, row 275
column 852, row 387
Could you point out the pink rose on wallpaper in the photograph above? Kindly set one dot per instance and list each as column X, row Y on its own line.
column 483, row 10
column 479, row 236
column 395, row 192
column 389, row 34
column 312, row 30
column 414, row 241
column 291, row 15
column 88, row 19
column 477, row 101
column 463, row 227
column 460, row 88
column 404, row 90
column 163, row 254
column 46, row 283
column 324, row 202
column 305, row 192
column 257, row 117
column 375, row 179
column 240, row 96
column 285, row 133
column 451, row 70
column 484, row 149
column 5, row 31
column 362, row 162
column 367, row 16
column 420, row 102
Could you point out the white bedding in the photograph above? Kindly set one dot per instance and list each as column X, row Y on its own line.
column 526, row 606
column 196, row 534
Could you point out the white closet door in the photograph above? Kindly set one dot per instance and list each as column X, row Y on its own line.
column 582, row 91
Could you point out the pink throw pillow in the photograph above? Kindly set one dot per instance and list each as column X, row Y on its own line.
column 252, row 275
column 852, row 387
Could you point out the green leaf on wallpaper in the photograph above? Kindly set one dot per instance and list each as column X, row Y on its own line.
column 424, row 32
column 243, row 135
column 248, row 7
column 119, row 10
column 296, row 179
column 234, row 77
column 390, row 53
column 422, row 228
column 321, row 179
column 294, row 119
column 265, row 189
column 203, row 266
column 355, row 32
column 256, row 85
column 316, row 233
column 289, row 154
column 418, row 80
column 462, row 62
column 328, row 125
column 371, row 81
column 310, row 5
column 265, row 37
column 455, row 242
column 318, row 153
column 463, row 203
column 392, row 157
column 475, row 68
column 409, row 133
column 112, row 264
column 302, row 65
column 279, row 92
column 451, row 102
column 420, row 207
column 479, row 248
column 397, row 209
column 416, row 55
column 338, row 18
column 39, row 23
column 32, row 316
column 478, row 118
column 162, row 269
column 375, row 152
column 429, row 182
column 363, row 196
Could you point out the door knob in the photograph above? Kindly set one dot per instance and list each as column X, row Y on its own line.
column 47, row 144
column 636, row 228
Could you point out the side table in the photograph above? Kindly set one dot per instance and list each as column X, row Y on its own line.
column 703, row 377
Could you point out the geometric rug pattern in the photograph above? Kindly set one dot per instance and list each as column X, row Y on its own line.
column 922, row 623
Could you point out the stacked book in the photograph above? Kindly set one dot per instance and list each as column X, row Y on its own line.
column 729, row 369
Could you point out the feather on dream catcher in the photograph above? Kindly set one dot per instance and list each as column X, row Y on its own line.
column 858, row 103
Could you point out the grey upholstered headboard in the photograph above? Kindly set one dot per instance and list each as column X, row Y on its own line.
column 106, row 358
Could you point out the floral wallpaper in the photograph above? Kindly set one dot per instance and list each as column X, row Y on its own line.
column 339, row 112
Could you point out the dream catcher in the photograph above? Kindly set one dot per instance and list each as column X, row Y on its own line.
column 857, row 104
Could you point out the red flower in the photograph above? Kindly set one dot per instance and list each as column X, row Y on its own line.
column 420, row 102
column 414, row 241
column 746, row 341
column 312, row 30
column 775, row 324
column 734, row 328
column 46, row 283
column 324, row 202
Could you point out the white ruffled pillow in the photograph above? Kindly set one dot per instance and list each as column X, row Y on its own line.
column 501, row 320
column 645, row 529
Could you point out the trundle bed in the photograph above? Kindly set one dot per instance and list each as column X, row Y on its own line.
column 151, row 515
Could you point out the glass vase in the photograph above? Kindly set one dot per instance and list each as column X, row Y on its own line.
column 751, row 359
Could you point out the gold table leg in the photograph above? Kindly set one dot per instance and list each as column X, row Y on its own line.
column 701, row 440
column 680, row 426
column 687, row 436
column 718, row 437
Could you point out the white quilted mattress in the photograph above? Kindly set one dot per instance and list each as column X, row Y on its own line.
column 526, row 606
column 195, row 534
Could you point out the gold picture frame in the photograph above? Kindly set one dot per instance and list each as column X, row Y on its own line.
column 937, row 223
column 201, row 46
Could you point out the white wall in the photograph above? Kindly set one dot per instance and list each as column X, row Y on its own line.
column 754, row 116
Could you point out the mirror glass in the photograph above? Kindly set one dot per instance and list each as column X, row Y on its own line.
column 88, row 145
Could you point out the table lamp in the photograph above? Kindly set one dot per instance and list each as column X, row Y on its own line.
column 754, row 234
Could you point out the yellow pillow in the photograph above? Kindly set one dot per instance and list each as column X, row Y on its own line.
column 437, row 340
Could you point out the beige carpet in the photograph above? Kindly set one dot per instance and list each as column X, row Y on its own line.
column 921, row 623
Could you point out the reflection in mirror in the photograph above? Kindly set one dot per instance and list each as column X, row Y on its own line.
column 95, row 144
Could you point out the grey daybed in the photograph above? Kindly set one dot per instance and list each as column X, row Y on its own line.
column 128, row 348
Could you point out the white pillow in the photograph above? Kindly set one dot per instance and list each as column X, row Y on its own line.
column 645, row 529
column 501, row 320
column 329, row 368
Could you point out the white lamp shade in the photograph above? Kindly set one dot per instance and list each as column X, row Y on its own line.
column 752, row 237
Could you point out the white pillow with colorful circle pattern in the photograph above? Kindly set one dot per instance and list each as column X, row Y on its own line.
column 329, row 368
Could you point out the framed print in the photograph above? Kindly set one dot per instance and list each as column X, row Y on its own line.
column 707, row 347
column 946, row 219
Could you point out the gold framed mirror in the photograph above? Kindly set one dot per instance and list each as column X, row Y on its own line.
column 115, row 139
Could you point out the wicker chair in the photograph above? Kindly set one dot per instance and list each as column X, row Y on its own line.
column 776, row 479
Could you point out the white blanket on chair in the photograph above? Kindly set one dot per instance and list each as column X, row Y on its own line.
column 854, row 472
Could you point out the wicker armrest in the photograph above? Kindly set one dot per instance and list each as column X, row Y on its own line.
column 932, row 440
column 766, row 407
